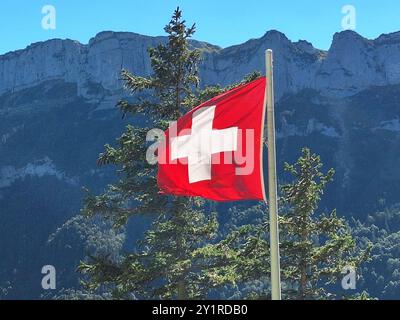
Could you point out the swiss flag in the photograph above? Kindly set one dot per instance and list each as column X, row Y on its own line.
column 215, row 151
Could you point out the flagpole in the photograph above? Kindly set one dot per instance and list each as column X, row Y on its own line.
column 272, row 181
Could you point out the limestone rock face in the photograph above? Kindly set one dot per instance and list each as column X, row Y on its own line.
column 54, row 59
column 351, row 65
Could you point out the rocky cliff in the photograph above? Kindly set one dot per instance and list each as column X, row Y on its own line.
column 351, row 65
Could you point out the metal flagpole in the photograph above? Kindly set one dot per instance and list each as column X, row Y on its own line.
column 272, row 181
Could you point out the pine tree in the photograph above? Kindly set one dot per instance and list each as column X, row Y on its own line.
column 315, row 248
column 173, row 260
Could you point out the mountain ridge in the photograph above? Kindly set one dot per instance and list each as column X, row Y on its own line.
column 352, row 63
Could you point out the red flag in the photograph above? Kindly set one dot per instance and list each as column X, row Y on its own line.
column 215, row 151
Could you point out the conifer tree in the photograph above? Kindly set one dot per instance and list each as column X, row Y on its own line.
column 315, row 248
column 173, row 259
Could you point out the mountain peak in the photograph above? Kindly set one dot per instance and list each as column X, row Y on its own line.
column 275, row 35
column 110, row 35
column 347, row 37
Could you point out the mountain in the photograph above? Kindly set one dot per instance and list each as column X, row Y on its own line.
column 57, row 103
column 351, row 65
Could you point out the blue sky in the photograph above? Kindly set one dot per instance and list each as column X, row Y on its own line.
column 220, row 22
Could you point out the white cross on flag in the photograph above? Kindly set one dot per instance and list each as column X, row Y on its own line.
column 215, row 151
